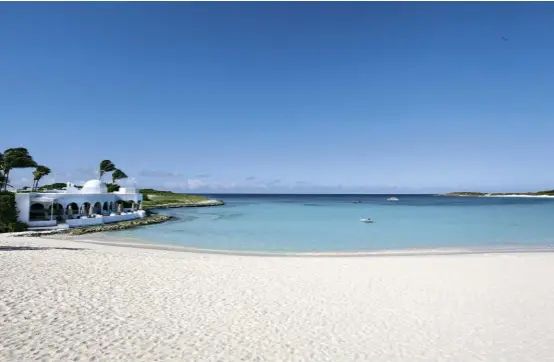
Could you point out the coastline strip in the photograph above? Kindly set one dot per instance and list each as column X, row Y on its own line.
column 441, row 251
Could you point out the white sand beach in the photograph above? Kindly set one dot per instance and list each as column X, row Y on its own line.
column 107, row 303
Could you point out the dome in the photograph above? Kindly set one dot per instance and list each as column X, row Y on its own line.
column 94, row 187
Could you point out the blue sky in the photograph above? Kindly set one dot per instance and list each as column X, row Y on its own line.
column 284, row 97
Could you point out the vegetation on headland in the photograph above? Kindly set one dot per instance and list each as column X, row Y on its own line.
column 156, row 199
column 477, row 194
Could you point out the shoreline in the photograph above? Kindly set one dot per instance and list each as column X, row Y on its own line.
column 482, row 194
column 518, row 195
column 444, row 251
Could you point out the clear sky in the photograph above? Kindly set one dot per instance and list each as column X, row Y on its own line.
column 284, row 97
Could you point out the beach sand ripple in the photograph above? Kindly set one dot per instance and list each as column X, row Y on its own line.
column 107, row 303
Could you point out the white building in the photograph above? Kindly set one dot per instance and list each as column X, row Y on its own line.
column 73, row 207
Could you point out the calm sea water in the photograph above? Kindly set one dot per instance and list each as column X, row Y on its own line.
column 303, row 223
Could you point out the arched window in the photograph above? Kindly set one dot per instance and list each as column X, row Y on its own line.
column 97, row 209
column 85, row 207
column 37, row 212
column 58, row 210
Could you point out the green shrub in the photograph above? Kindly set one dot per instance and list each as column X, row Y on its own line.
column 112, row 187
column 8, row 214
column 126, row 204
column 55, row 186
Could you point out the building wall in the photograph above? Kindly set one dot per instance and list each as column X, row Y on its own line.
column 84, row 222
column 42, row 223
column 90, row 221
column 23, row 207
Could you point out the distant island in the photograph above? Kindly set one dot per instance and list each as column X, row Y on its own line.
column 485, row 194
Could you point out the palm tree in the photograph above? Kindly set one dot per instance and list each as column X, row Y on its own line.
column 117, row 174
column 106, row 166
column 39, row 172
column 15, row 158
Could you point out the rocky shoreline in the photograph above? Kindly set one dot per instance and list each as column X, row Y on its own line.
column 123, row 225
column 148, row 220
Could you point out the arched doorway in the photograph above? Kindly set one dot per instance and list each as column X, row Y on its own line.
column 57, row 211
column 119, row 206
column 85, row 208
column 71, row 210
column 37, row 212
column 106, row 208
column 97, row 208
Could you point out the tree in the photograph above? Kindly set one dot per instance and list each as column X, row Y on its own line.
column 106, row 166
column 39, row 172
column 15, row 158
column 117, row 174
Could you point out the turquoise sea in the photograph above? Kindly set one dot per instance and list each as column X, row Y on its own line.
column 327, row 223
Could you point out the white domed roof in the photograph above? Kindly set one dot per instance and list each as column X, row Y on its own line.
column 94, row 187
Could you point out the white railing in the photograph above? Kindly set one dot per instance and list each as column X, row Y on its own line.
column 100, row 220
column 42, row 223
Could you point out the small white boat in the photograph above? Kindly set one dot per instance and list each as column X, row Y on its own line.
column 366, row 220
column 392, row 199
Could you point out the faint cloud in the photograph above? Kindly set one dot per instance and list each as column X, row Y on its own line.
column 190, row 184
column 155, row 173
column 219, row 186
column 250, row 178
column 274, row 182
column 203, row 175
column 194, row 184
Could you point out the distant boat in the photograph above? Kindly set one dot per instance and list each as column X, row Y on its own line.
column 366, row 220
column 392, row 199
column 356, row 202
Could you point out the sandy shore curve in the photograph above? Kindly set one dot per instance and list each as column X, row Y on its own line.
column 67, row 300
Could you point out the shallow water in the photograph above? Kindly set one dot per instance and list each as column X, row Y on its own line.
column 326, row 223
